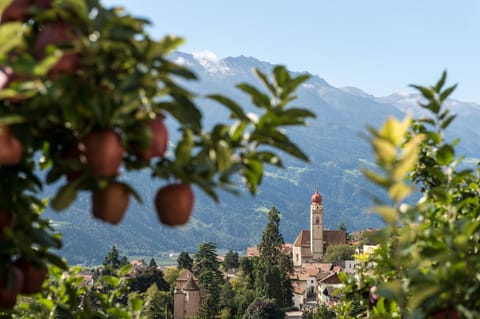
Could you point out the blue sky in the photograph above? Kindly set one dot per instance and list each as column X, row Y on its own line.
column 378, row 46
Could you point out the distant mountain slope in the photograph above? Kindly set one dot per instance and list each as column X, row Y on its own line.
column 333, row 141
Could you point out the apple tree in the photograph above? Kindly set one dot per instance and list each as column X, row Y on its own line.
column 84, row 94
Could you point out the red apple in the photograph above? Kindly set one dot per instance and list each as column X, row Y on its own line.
column 445, row 314
column 103, row 152
column 174, row 204
column 10, row 147
column 33, row 276
column 158, row 143
column 111, row 203
column 43, row 4
column 16, row 11
column 11, row 282
column 57, row 33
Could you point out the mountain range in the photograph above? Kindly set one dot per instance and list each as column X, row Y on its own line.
column 335, row 142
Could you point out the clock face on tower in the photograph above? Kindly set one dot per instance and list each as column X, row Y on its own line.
column 317, row 209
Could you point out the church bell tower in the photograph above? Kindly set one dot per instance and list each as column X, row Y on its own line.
column 316, row 226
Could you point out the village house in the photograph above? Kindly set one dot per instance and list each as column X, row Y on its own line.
column 327, row 286
column 187, row 296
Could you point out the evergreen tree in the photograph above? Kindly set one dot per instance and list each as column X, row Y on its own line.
column 246, row 265
column 111, row 262
column 206, row 268
column 286, row 268
column 268, row 282
column 152, row 263
column 227, row 300
column 262, row 308
column 124, row 261
column 146, row 277
column 158, row 304
column 231, row 260
column 273, row 267
column 272, row 240
column 184, row 261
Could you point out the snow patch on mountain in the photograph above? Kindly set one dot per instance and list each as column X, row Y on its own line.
column 211, row 62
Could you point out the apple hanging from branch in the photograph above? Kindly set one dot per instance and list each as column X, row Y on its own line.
column 10, row 147
column 174, row 204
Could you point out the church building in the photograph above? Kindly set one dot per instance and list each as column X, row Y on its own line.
column 310, row 245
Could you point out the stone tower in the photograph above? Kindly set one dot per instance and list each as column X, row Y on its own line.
column 316, row 226
column 187, row 297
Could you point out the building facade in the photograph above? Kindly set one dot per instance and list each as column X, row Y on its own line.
column 187, row 296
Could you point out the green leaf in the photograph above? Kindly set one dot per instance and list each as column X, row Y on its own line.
column 441, row 82
column 57, row 261
column 185, row 112
column 53, row 175
column 269, row 158
column 295, row 82
column 376, row 178
column 433, row 106
column 390, row 290
column 265, row 81
column 207, row 188
column 445, row 94
column 42, row 238
column 258, row 98
column 237, row 111
column 111, row 281
column 297, row 113
column 278, row 140
column 281, row 75
column 252, row 173
column 445, row 123
column 426, row 92
column 445, row 155
column 223, row 155
column 399, row 191
column 183, row 151
column 65, row 196
column 169, row 43
column 133, row 192
column 10, row 36
column 237, row 130
column 11, row 119
column 427, row 120
column 441, row 194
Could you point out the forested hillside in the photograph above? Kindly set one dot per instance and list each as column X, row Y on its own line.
column 334, row 141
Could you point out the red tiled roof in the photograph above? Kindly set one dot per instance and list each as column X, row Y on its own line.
column 334, row 237
column 303, row 239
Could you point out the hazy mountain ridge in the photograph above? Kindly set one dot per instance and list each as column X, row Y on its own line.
column 333, row 142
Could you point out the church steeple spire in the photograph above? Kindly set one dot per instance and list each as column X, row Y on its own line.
column 316, row 197
column 316, row 225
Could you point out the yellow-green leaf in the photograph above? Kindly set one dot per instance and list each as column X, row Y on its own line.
column 388, row 213
column 384, row 150
column 399, row 191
